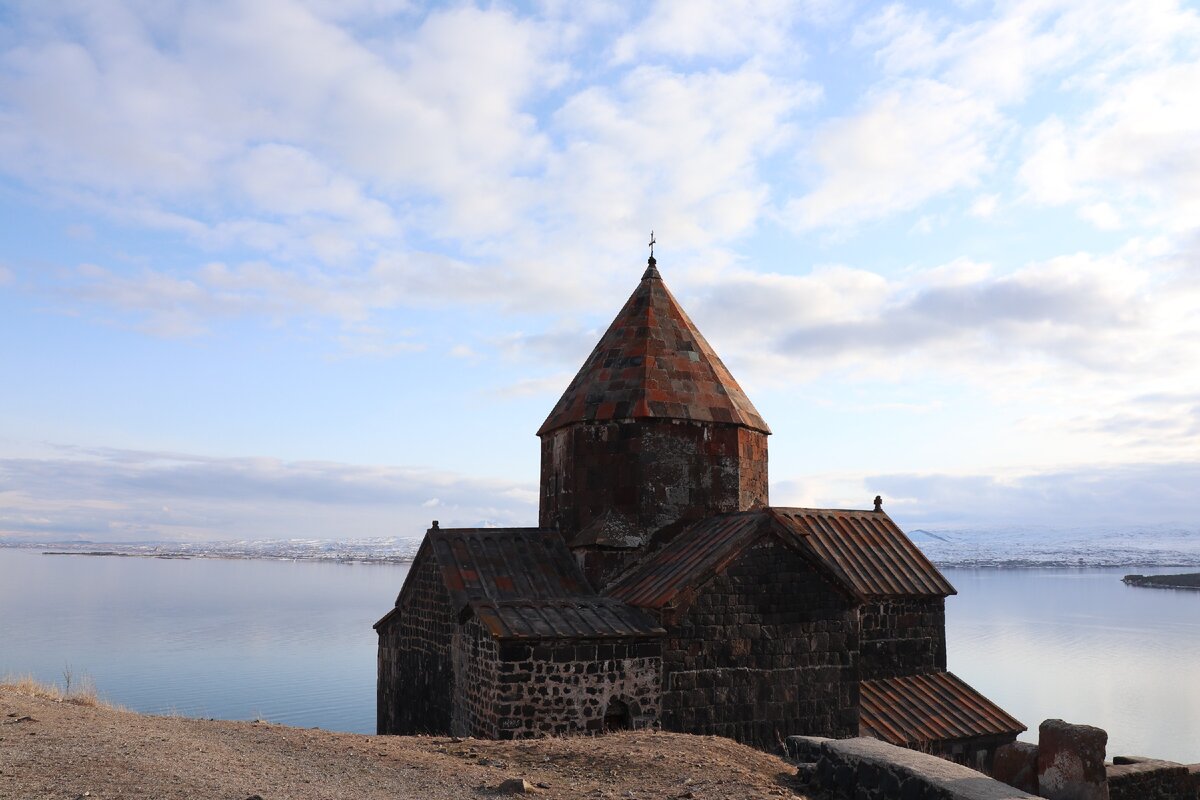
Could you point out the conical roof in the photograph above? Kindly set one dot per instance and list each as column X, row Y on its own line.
column 652, row 363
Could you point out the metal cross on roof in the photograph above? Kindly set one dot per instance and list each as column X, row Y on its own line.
column 652, row 244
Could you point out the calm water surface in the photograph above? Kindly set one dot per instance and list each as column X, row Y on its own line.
column 291, row 642
column 287, row 642
column 1081, row 646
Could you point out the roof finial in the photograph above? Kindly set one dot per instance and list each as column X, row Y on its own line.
column 651, row 269
column 878, row 503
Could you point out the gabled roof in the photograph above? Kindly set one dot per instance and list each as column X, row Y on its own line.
column 671, row 575
column 863, row 553
column 870, row 550
column 924, row 709
column 653, row 363
column 524, row 583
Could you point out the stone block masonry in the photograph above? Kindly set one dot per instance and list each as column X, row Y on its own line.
column 1149, row 779
column 1016, row 765
column 522, row 689
column 1067, row 763
column 902, row 637
column 868, row 769
column 414, row 670
column 646, row 475
column 767, row 650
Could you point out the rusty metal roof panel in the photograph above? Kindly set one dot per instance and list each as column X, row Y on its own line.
column 652, row 362
column 524, row 583
column 696, row 554
column 924, row 709
column 594, row 618
column 498, row 564
column 870, row 550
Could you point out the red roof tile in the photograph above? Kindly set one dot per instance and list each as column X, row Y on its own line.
column 653, row 363
column 923, row 709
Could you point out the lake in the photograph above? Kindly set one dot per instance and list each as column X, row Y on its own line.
column 291, row 642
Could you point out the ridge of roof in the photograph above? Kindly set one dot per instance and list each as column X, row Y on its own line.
column 670, row 575
column 869, row 548
column 653, row 363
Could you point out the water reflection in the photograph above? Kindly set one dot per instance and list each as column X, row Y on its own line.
column 1082, row 646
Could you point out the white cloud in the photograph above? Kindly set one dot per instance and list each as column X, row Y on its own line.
column 1135, row 153
column 952, row 93
column 269, row 103
column 1070, row 346
column 712, row 29
column 984, row 206
column 909, row 144
column 1091, row 313
column 112, row 495
column 681, row 150
column 1092, row 495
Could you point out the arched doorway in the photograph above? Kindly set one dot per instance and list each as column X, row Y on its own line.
column 617, row 716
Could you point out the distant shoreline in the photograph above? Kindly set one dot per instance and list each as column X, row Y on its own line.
column 1186, row 580
column 402, row 552
column 353, row 553
column 113, row 553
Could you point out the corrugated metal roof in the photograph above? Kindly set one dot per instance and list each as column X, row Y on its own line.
column 700, row 551
column 583, row 618
column 524, row 582
column 652, row 362
column 922, row 709
column 864, row 552
column 870, row 550
column 498, row 564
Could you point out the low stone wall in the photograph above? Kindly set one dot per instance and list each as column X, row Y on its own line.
column 1068, row 763
column 868, row 769
column 1149, row 779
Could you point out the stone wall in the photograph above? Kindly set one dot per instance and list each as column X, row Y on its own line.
column 868, row 769
column 476, row 658
column 633, row 478
column 766, row 650
column 414, row 683
column 902, row 637
column 1068, row 763
column 520, row 689
column 1149, row 779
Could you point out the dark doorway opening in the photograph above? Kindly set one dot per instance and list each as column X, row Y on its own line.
column 617, row 717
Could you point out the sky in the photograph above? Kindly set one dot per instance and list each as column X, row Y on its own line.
column 320, row 269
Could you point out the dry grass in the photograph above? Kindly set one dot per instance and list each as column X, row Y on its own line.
column 79, row 692
column 53, row 749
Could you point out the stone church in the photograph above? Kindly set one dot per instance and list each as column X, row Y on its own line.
column 661, row 589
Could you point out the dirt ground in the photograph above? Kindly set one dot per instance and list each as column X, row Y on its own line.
column 54, row 749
